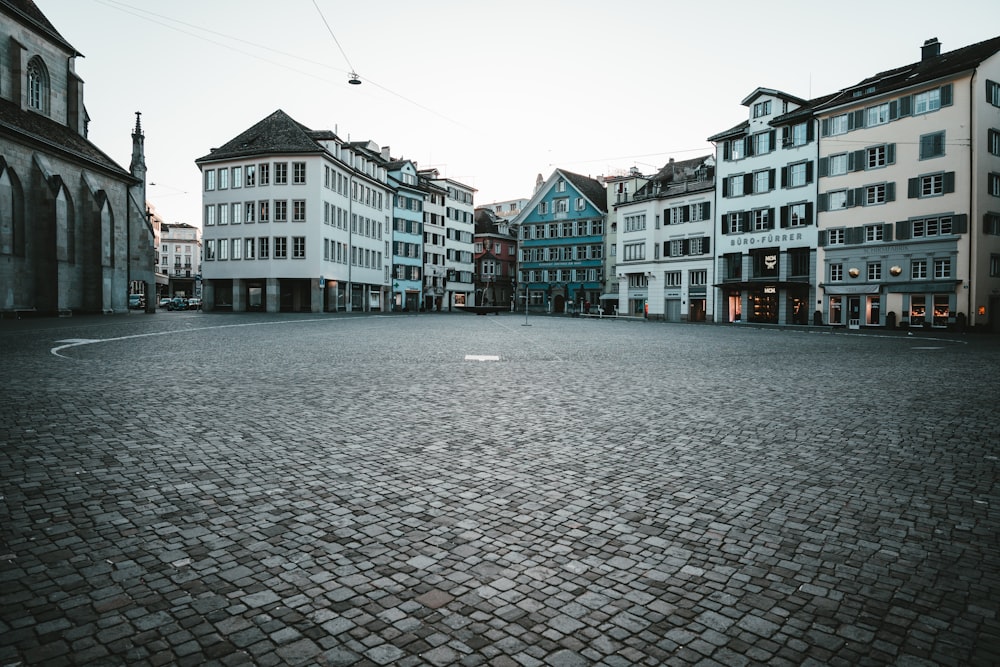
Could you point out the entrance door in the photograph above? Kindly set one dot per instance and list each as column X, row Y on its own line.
column 672, row 310
column 854, row 312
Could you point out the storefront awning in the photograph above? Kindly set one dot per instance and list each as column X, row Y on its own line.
column 837, row 290
column 609, row 296
column 924, row 288
column 761, row 284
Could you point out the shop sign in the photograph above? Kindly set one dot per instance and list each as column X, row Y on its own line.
column 766, row 239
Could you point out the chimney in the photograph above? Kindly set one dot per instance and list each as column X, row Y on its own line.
column 385, row 153
column 930, row 49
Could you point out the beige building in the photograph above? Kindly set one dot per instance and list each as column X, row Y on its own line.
column 909, row 194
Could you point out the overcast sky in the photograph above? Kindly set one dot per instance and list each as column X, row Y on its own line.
column 491, row 93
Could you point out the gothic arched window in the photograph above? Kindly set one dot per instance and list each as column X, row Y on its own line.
column 38, row 85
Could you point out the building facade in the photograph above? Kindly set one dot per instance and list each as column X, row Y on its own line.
column 456, row 211
column 496, row 259
column 561, row 236
column 765, row 223
column 74, row 232
column 407, row 236
column 620, row 190
column 180, row 259
column 665, row 232
column 909, row 182
column 295, row 220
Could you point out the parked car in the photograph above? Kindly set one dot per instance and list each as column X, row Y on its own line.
column 194, row 303
column 165, row 301
column 136, row 302
column 177, row 303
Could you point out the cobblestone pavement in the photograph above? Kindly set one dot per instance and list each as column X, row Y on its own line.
column 191, row 488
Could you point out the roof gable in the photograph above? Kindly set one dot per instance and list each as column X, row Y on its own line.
column 277, row 133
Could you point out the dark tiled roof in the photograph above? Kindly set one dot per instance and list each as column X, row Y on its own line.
column 589, row 188
column 277, row 133
column 935, row 67
column 803, row 112
column 679, row 176
column 731, row 132
column 54, row 137
column 28, row 13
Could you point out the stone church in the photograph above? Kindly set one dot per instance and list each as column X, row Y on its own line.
column 75, row 235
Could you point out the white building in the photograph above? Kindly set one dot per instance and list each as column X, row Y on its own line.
column 295, row 220
column 765, row 221
column 457, row 211
column 180, row 259
column 664, row 243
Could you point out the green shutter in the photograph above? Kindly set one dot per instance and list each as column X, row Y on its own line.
column 903, row 230
column 725, row 150
column 810, row 131
column 784, row 177
column 822, row 237
column 809, row 213
column 770, row 179
column 747, row 183
column 893, row 110
column 822, row 202
column 859, row 160
column 905, row 106
column 890, row 154
column 784, row 217
column 946, row 95
column 706, row 210
column 706, row 245
column 770, row 218
column 960, row 224
column 949, row 181
column 890, row 191
column 824, row 127
column 809, row 172
column 824, row 167
column 887, row 231
column 912, row 189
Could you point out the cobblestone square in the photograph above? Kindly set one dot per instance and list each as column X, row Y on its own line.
column 445, row 489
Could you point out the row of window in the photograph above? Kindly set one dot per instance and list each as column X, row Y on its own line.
column 885, row 112
column 701, row 245
column 941, row 268
column 762, row 219
column 560, row 275
column 253, row 175
column 561, row 205
column 497, row 248
column 696, row 278
column 562, row 253
column 283, row 247
column 265, row 211
column 902, row 230
column 767, row 263
column 565, row 229
column 763, row 180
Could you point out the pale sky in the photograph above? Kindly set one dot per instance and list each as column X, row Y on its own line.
column 491, row 93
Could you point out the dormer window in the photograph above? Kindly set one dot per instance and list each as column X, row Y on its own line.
column 38, row 85
column 762, row 109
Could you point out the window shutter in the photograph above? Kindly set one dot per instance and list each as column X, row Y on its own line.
column 822, row 237
column 725, row 193
column 770, row 218
column 770, row 179
column 859, row 118
column 893, row 110
column 784, row 217
column 890, row 154
column 887, row 231
column 903, row 230
column 822, row 201
column 905, row 106
column 850, row 198
column 946, row 95
column 706, row 243
column 890, row 191
column 810, row 131
column 960, row 224
column 784, row 177
column 824, row 127
column 824, row 167
column 706, row 210
column 747, row 183
column 786, row 136
column 949, row 181
column 725, row 150
column 912, row 189
column 685, row 246
column 859, row 161
column 747, row 146
column 685, row 214
column 809, row 213
column 809, row 172
column 772, row 136
column 850, row 161
column 725, row 225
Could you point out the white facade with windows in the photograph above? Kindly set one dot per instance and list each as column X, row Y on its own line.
column 765, row 222
column 664, row 243
column 295, row 220
column 457, row 211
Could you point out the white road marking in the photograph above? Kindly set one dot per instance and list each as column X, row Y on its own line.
column 482, row 357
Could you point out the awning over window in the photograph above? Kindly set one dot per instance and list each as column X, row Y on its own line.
column 851, row 289
column 924, row 288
